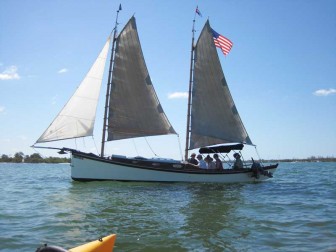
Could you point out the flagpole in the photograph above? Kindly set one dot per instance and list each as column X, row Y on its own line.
column 108, row 88
column 190, row 88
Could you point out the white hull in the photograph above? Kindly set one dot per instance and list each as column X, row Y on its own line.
column 87, row 169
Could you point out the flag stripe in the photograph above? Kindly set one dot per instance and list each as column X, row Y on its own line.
column 221, row 42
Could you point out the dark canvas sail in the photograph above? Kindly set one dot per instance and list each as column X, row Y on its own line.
column 214, row 117
column 134, row 109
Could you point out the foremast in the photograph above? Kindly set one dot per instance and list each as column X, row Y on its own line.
column 109, row 83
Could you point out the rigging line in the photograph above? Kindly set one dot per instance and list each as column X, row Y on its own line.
column 95, row 144
column 227, row 155
column 258, row 154
column 221, row 156
column 150, row 147
column 224, row 160
column 242, row 157
column 77, row 128
column 136, row 150
column 179, row 144
column 231, row 161
column 43, row 156
column 84, row 144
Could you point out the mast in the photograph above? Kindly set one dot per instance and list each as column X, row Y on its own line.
column 190, row 88
column 108, row 88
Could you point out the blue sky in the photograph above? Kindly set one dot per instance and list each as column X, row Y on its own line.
column 281, row 69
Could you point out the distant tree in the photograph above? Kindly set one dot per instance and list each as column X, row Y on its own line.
column 54, row 160
column 5, row 158
column 34, row 158
column 18, row 157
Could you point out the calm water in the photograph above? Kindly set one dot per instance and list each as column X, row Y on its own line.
column 295, row 211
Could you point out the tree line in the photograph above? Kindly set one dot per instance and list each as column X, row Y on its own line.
column 20, row 157
column 310, row 159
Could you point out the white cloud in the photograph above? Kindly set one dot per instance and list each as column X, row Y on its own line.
column 22, row 137
column 325, row 92
column 63, row 70
column 2, row 109
column 10, row 73
column 178, row 95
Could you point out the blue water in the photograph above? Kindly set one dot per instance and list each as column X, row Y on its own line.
column 295, row 211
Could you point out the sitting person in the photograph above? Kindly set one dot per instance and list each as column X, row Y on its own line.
column 238, row 164
column 218, row 162
column 192, row 159
column 209, row 162
column 257, row 169
column 201, row 162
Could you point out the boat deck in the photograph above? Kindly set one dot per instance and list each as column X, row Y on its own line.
column 175, row 165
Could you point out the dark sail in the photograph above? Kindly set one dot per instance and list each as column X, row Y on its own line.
column 134, row 108
column 214, row 117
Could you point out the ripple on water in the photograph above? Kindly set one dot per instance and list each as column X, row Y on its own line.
column 292, row 212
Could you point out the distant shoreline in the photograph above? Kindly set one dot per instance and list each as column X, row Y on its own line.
column 304, row 160
column 19, row 157
column 36, row 158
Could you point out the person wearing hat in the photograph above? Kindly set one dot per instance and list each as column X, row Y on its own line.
column 192, row 159
column 201, row 162
column 238, row 164
column 209, row 162
column 218, row 162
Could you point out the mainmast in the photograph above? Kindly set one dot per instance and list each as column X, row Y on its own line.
column 108, row 88
column 190, row 89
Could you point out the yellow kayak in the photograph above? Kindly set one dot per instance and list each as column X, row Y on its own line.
column 104, row 244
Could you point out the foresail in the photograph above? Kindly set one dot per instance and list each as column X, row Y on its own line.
column 214, row 117
column 134, row 108
column 77, row 117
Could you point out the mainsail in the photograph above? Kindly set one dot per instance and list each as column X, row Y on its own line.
column 77, row 117
column 214, row 117
column 134, row 108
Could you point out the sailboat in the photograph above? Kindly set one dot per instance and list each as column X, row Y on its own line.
column 132, row 109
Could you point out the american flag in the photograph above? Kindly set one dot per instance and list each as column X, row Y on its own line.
column 221, row 42
column 198, row 11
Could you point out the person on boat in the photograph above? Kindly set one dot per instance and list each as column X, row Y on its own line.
column 218, row 162
column 201, row 163
column 209, row 162
column 193, row 159
column 257, row 169
column 238, row 164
